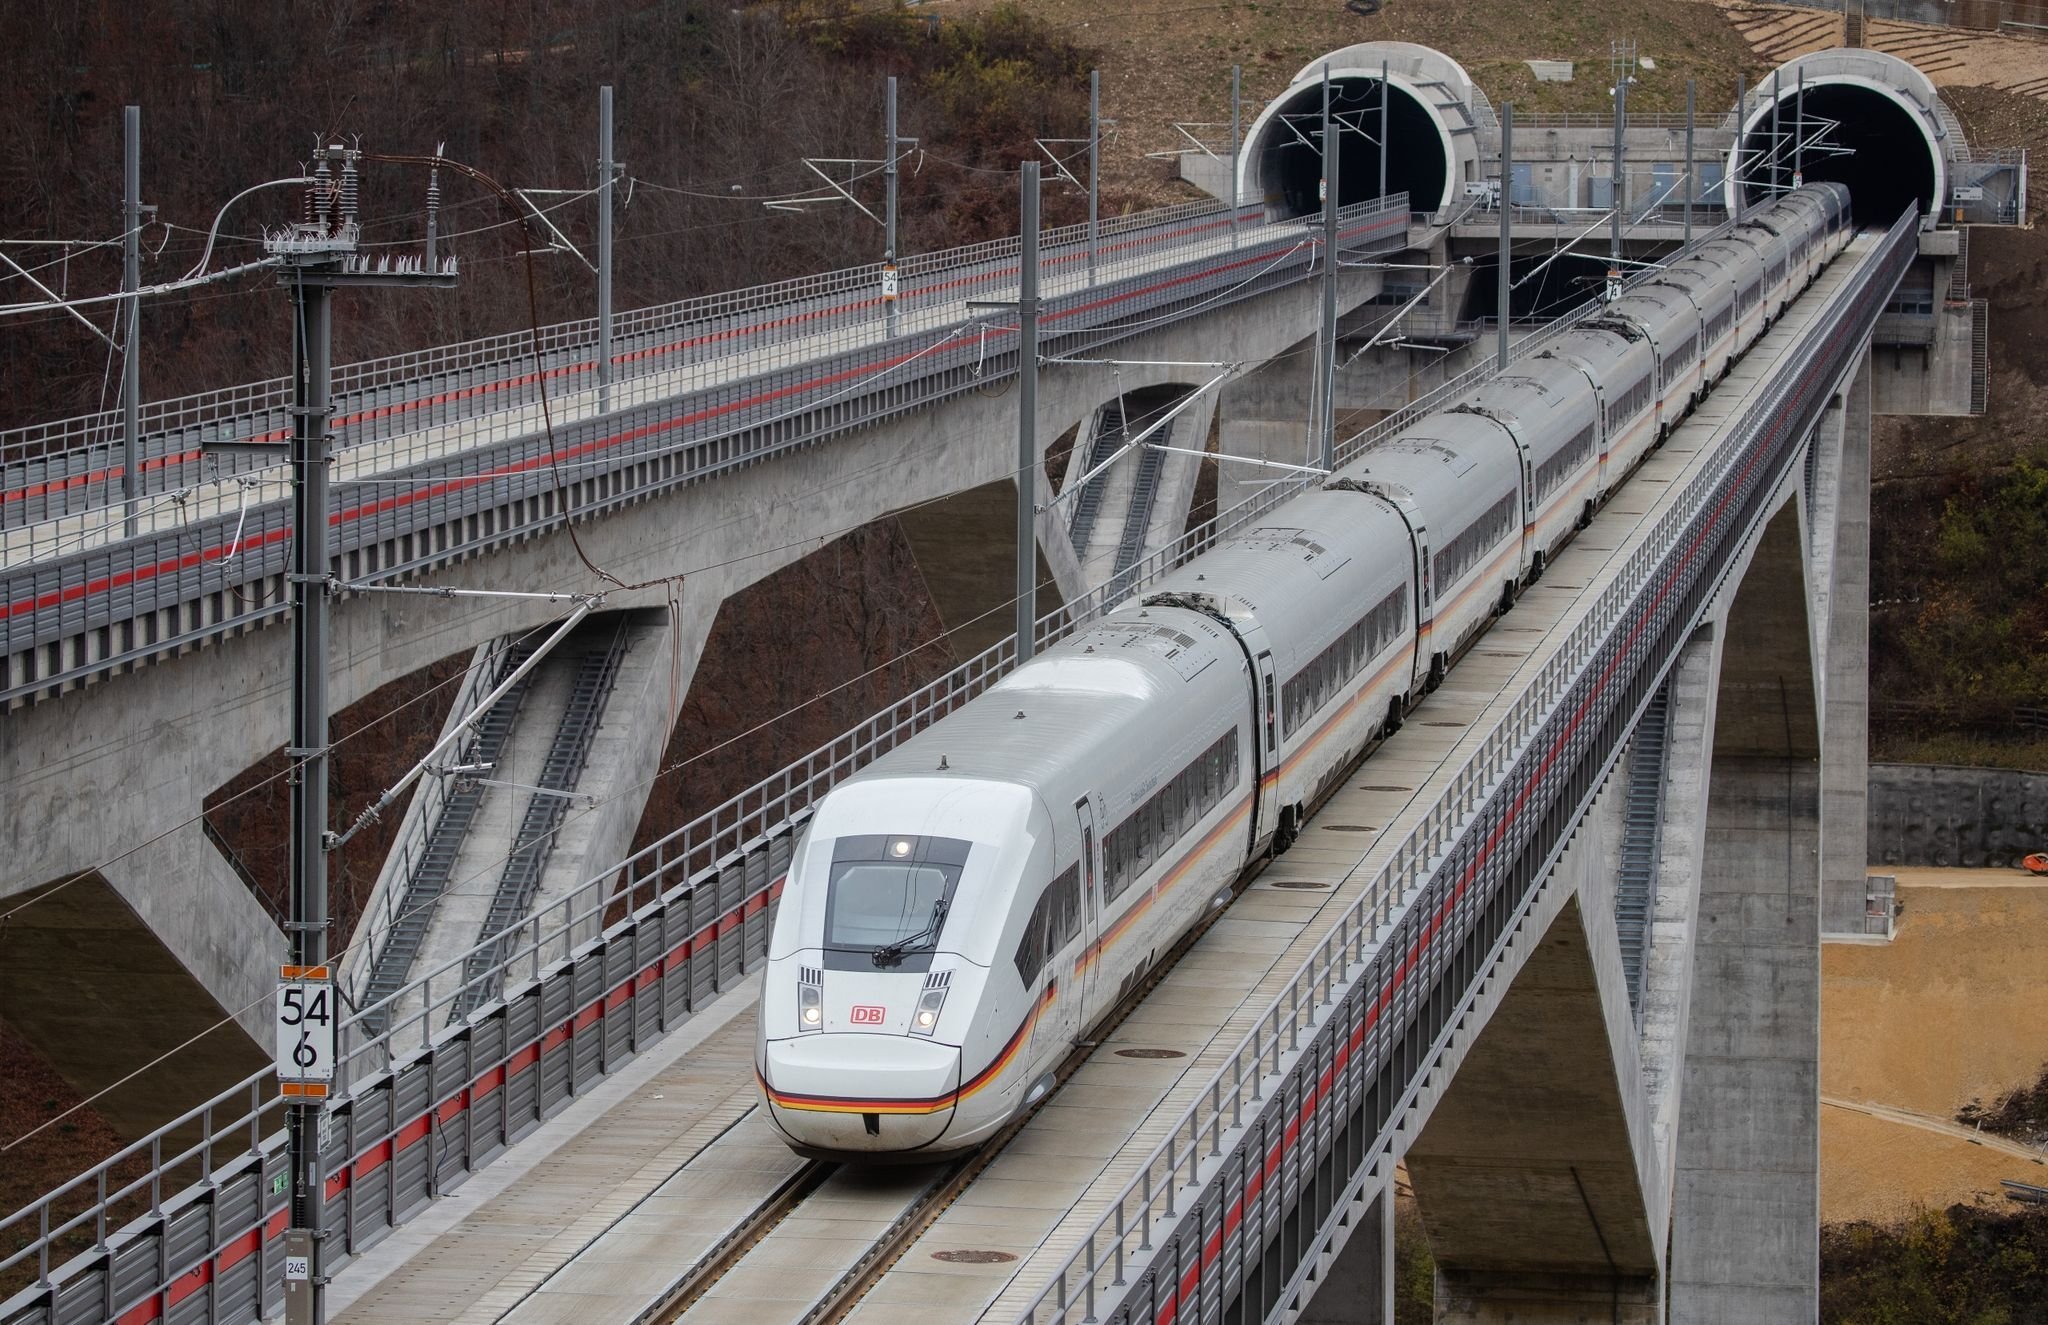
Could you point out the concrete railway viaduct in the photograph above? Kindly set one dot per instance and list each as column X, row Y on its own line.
column 1600, row 1071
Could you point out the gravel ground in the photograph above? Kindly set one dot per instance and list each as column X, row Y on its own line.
column 1953, row 1010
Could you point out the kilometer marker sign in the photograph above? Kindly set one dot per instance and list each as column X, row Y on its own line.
column 305, row 1018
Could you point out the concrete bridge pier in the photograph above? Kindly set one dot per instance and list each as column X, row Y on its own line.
column 1838, row 543
column 1357, row 1286
column 1536, row 1171
column 1745, row 1224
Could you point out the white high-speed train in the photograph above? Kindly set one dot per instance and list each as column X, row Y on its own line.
column 965, row 908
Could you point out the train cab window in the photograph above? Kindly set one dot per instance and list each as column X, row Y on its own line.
column 1054, row 923
column 890, row 892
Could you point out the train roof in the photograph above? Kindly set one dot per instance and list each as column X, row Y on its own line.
column 1536, row 393
column 1455, row 465
column 1354, row 542
column 1114, row 693
column 1661, row 312
column 1603, row 345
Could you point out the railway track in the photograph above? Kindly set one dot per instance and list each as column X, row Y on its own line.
column 906, row 1207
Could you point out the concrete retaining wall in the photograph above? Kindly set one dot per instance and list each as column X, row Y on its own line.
column 1936, row 814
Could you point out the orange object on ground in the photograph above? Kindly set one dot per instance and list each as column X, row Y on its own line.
column 2036, row 863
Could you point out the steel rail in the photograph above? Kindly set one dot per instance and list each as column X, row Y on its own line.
column 684, row 873
column 62, row 615
column 1443, row 901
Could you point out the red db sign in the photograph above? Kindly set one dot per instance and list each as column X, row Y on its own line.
column 867, row 1014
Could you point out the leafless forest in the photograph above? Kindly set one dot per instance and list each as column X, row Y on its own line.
column 717, row 108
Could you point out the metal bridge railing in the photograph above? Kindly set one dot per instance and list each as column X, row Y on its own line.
column 72, row 467
column 395, row 1054
column 1190, row 1228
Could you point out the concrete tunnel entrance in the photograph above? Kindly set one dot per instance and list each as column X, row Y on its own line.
column 1854, row 134
column 1286, row 160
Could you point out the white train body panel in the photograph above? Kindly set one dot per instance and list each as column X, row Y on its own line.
column 1465, row 472
column 1617, row 359
column 1671, row 321
column 1549, row 409
column 1109, row 718
column 1342, row 633
column 1711, row 287
column 1745, row 271
column 965, row 908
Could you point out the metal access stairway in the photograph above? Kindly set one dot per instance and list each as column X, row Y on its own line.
column 596, row 671
column 1144, row 493
column 1109, row 435
column 407, row 934
column 1643, row 813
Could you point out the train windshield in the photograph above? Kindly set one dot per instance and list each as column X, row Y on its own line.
column 888, row 896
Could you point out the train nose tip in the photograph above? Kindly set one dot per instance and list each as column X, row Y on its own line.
column 869, row 1094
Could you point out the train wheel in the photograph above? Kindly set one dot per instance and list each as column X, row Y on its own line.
column 1436, row 674
column 1393, row 722
column 1289, row 829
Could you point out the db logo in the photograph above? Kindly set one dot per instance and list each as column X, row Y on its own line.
column 867, row 1014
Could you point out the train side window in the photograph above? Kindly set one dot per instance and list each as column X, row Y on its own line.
column 1068, row 889
column 1031, row 946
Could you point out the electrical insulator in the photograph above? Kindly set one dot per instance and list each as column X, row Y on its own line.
column 348, row 189
column 317, row 196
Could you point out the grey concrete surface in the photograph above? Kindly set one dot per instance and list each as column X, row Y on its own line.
column 1674, row 912
column 96, row 774
column 1934, row 379
column 1525, row 1166
column 1745, row 1223
column 1935, row 814
column 1844, row 671
column 1357, row 1288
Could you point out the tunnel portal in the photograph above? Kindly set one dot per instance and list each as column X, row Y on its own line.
column 1854, row 135
column 1287, row 162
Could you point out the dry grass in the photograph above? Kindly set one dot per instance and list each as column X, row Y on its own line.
column 1167, row 61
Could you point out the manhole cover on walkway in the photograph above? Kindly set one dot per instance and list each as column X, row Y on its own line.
column 1349, row 828
column 1386, row 788
column 1443, row 724
column 974, row 1256
column 1298, row 883
column 1150, row 1053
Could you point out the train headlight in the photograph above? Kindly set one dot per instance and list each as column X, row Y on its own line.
column 810, row 1007
column 926, row 1019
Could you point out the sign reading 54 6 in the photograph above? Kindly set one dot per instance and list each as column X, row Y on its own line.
column 305, row 1019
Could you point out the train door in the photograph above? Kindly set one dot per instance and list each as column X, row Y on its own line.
column 1266, row 768
column 1089, row 972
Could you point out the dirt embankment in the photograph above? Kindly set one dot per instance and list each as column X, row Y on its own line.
column 1953, row 1011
